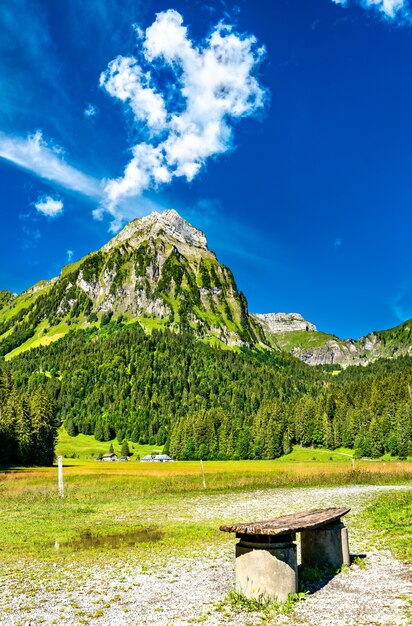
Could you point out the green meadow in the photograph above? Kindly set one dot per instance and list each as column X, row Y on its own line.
column 110, row 505
column 85, row 447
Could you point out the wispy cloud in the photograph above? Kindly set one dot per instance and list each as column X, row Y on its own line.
column 46, row 160
column 244, row 242
column 398, row 11
column 69, row 255
column 186, row 120
column 34, row 51
column 91, row 111
column 401, row 302
column 31, row 237
column 49, row 206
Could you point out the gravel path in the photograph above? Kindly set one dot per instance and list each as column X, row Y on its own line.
column 191, row 590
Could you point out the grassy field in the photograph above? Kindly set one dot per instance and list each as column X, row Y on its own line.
column 390, row 516
column 108, row 503
column 85, row 447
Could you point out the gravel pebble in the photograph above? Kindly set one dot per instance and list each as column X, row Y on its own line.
column 191, row 590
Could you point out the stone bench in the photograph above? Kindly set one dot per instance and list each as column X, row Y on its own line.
column 266, row 557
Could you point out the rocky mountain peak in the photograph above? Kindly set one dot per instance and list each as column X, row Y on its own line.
column 169, row 226
column 283, row 322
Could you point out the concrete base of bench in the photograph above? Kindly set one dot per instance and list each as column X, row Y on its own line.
column 266, row 563
column 266, row 570
column 328, row 545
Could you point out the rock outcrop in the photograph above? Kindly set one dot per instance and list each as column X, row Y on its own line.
column 283, row 322
column 167, row 226
column 333, row 352
column 291, row 333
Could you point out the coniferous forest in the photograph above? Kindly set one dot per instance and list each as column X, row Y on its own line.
column 28, row 425
column 197, row 400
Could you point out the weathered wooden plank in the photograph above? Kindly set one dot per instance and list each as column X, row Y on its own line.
column 294, row 522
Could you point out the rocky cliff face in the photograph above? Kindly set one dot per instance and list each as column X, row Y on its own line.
column 291, row 333
column 283, row 322
column 333, row 352
column 157, row 270
column 168, row 227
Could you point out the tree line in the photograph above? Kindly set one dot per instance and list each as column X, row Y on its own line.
column 207, row 402
column 28, row 425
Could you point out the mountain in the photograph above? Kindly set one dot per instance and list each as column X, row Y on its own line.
column 144, row 325
column 160, row 272
column 157, row 270
column 290, row 332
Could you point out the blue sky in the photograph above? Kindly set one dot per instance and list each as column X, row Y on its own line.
column 283, row 130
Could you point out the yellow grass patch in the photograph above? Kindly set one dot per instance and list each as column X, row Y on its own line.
column 234, row 470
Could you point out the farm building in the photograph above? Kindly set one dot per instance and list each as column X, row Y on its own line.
column 109, row 456
column 156, row 458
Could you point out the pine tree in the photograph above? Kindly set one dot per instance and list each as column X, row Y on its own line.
column 44, row 425
column 8, row 418
column 125, row 448
column 24, row 433
column 71, row 428
column 98, row 432
column 404, row 429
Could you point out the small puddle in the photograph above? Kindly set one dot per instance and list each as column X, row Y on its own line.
column 89, row 539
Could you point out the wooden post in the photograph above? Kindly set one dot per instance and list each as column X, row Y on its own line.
column 60, row 476
column 203, row 474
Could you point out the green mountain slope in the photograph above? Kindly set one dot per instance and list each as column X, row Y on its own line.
column 168, row 388
column 157, row 270
column 144, row 325
column 5, row 298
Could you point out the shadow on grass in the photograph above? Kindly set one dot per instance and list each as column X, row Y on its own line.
column 16, row 469
column 13, row 469
column 312, row 579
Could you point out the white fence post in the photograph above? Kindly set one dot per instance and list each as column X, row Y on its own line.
column 60, row 476
column 203, row 474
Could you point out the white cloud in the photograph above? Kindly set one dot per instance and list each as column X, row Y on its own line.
column 49, row 206
column 393, row 10
column 46, row 160
column 125, row 80
column 70, row 255
column 184, row 99
column 91, row 111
